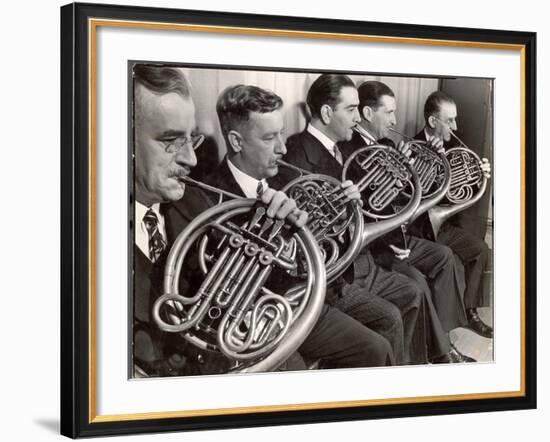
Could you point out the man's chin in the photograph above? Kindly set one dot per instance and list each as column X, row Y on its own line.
column 176, row 193
column 271, row 171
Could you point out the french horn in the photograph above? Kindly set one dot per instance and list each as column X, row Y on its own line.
column 467, row 184
column 434, row 172
column 331, row 216
column 390, row 186
column 243, row 308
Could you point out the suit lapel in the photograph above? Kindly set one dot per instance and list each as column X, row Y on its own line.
column 179, row 214
column 421, row 135
column 319, row 157
column 224, row 179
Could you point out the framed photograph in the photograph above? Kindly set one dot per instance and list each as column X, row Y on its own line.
column 273, row 220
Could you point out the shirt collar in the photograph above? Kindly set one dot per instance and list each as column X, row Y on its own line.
column 248, row 184
column 141, row 210
column 323, row 139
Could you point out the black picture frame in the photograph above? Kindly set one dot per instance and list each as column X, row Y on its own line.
column 77, row 249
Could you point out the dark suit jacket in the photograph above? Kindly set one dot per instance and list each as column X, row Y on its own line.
column 157, row 352
column 307, row 152
column 357, row 142
column 222, row 178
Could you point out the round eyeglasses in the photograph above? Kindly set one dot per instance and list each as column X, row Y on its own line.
column 194, row 141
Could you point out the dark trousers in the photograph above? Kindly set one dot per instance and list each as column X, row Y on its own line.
column 387, row 302
column 473, row 253
column 445, row 278
column 341, row 341
column 429, row 340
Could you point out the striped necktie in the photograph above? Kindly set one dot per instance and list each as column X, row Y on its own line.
column 157, row 244
column 260, row 189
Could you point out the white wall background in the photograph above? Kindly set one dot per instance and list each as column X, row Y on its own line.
column 29, row 222
column 292, row 87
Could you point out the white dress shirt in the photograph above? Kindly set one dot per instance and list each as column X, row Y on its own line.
column 426, row 134
column 248, row 184
column 142, row 235
column 323, row 139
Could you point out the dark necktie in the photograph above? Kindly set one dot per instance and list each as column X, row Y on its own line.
column 156, row 241
column 338, row 155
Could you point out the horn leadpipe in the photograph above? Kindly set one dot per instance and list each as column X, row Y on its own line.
column 361, row 131
column 190, row 181
column 452, row 132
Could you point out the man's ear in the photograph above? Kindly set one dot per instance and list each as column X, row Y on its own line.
column 326, row 113
column 235, row 141
column 366, row 113
column 431, row 121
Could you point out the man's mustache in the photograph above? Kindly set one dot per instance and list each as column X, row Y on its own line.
column 181, row 172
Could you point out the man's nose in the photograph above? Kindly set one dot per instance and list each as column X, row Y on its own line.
column 280, row 146
column 454, row 125
column 186, row 156
column 356, row 116
column 393, row 120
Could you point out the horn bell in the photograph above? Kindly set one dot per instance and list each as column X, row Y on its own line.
column 467, row 185
column 241, row 307
column 390, row 187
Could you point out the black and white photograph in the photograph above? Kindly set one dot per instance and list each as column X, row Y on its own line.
column 278, row 220
column 288, row 220
column 275, row 221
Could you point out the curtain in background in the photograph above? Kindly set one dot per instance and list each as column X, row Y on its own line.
column 207, row 85
column 473, row 98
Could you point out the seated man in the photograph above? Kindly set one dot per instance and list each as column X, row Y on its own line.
column 164, row 143
column 369, row 290
column 164, row 151
column 440, row 114
column 252, row 123
column 431, row 265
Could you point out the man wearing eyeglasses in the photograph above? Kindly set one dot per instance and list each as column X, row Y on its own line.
column 164, row 152
column 431, row 265
column 440, row 113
